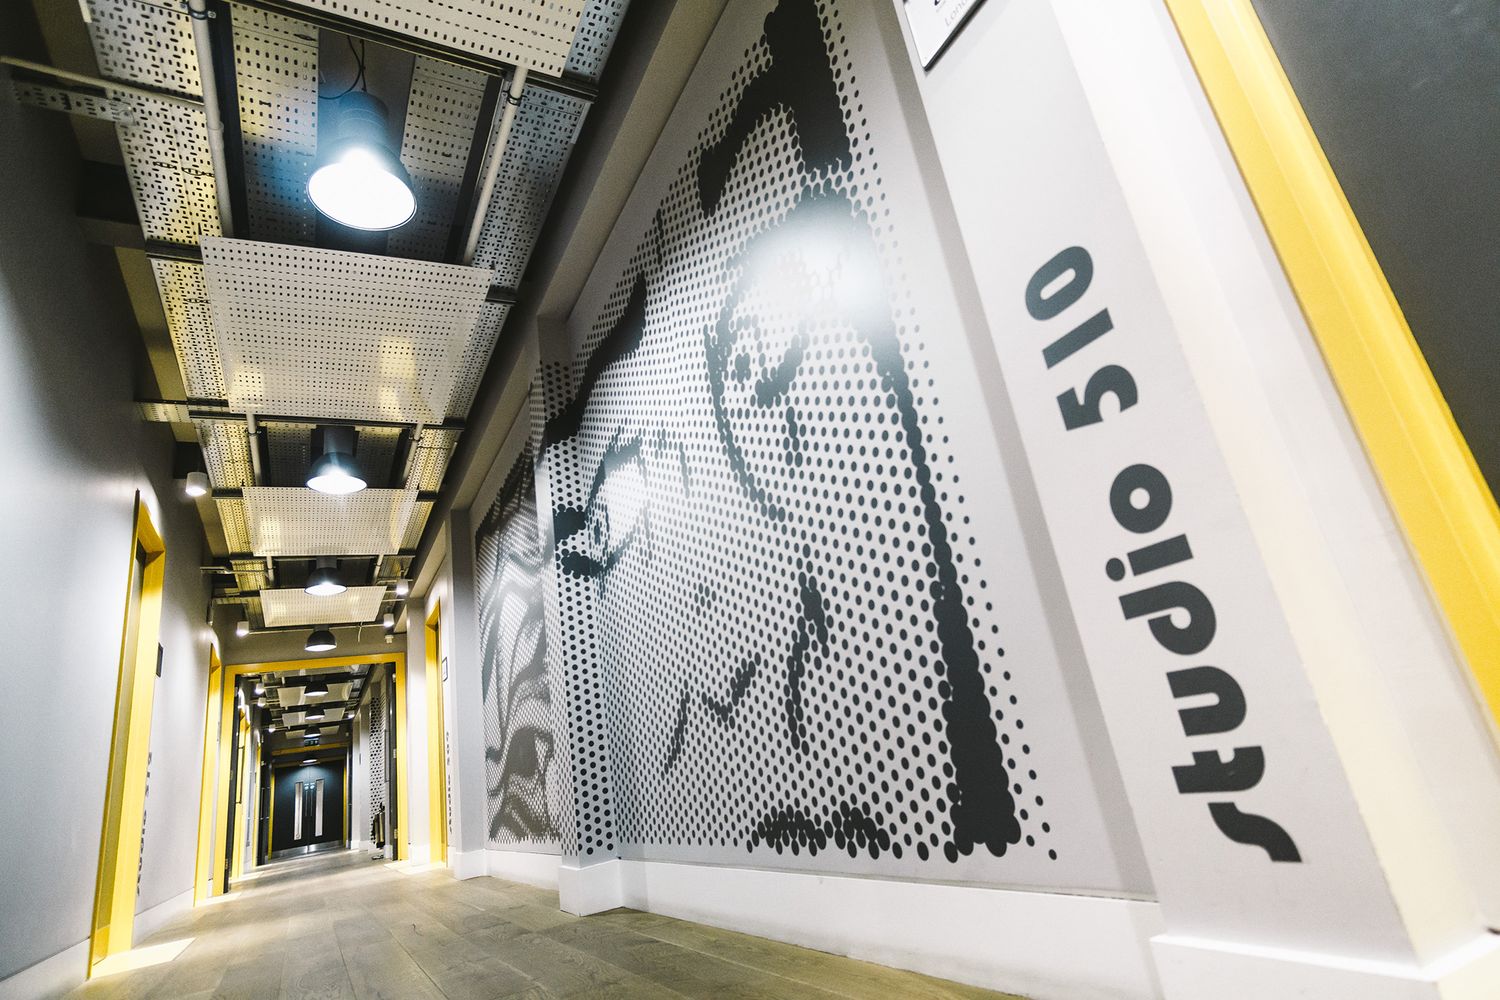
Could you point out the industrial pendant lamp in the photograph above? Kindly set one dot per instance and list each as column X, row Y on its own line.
column 315, row 689
column 357, row 180
column 324, row 580
column 320, row 641
column 335, row 470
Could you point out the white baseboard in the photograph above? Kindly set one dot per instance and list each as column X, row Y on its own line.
column 523, row 866
column 149, row 921
column 1046, row 946
column 49, row 978
column 1191, row 967
column 466, row 864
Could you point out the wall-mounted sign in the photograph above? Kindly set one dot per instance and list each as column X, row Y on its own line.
column 935, row 23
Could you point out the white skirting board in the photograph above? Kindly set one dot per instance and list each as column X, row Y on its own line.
column 51, row 977
column 1046, row 946
column 540, row 870
column 55, row 976
column 148, row 922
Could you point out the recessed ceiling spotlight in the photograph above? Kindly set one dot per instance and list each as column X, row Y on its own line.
column 357, row 180
column 335, row 471
column 320, row 641
column 197, row 484
column 324, row 580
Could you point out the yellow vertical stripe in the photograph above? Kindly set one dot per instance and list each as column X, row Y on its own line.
column 203, row 870
column 1423, row 462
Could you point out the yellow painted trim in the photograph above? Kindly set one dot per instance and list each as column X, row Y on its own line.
column 401, row 842
column 113, row 923
column 233, row 671
column 1423, row 462
column 437, row 764
column 255, row 808
column 203, row 868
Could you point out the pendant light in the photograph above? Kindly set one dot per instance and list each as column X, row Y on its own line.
column 357, row 180
column 316, row 688
column 324, row 580
column 196, row 484
column 335, row 471
column 320, row 641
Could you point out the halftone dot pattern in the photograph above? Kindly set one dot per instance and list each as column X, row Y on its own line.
column 526, row 770
column 377, row 749
column 778, row 640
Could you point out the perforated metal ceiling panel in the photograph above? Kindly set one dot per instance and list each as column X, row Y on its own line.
column 276, row 76
column 327, row 333
column 236, row 526
column 546, row 126
column 596, row 35
column 430, row 460
column 297, row 607
column 226, row 453
column 145, row 41
column 441, row 115
column 534, row 33
column 294, row 521
column 185, row 301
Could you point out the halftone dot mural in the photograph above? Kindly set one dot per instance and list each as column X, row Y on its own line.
column 775, row 628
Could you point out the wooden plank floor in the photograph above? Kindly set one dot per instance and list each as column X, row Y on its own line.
column 344, row 927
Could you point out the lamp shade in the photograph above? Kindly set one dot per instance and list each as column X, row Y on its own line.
column 321, row 641
column 357, row 180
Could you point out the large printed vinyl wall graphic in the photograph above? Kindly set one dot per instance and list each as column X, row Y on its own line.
column 523, row 747
column 755, row 521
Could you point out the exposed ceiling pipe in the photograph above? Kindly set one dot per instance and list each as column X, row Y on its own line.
column 203, row 43
column 492, row 171
column 254, row 449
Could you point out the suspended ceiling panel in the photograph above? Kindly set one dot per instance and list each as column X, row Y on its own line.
column 430, row 460
column 292, row 691
column 236, row 525
column 145, row 41
column 329, row 333
column 226, row 453
column 165, row 145
column 276, row 77
column 441, row 116
column 596, row 35
column 297, row 607
column 295, row 521
column 184, row 298
column 477, row 356
column 537, row 34
column 545, row 128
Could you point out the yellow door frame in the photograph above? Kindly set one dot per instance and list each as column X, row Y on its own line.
column 271, row 826
column 203, row 869
column 1424, row 464
column 401, row 843
column 437, row 763
column 113, row 923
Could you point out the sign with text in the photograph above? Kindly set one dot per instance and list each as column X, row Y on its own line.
column 934, row 23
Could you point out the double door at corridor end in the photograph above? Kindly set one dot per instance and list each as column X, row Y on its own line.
column 308, row 806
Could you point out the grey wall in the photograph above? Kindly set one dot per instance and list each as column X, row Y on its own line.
column 73, row 454
column 1405, row 98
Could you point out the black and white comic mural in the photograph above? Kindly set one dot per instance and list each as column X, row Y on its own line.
column 523, row 713
column 799, row 615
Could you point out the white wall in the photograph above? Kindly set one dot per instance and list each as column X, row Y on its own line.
column 74, row 454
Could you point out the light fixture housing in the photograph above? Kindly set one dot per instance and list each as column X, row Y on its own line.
column 403, row 587
column 315, row 689
column 335, row 471
column 196, row 484
column 242, row 629
column 357, row 180
column 320, row 641
column 312, row 716
column 389, row 621
column 324, row 580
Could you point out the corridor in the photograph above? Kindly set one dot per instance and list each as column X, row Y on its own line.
column 342, row 925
